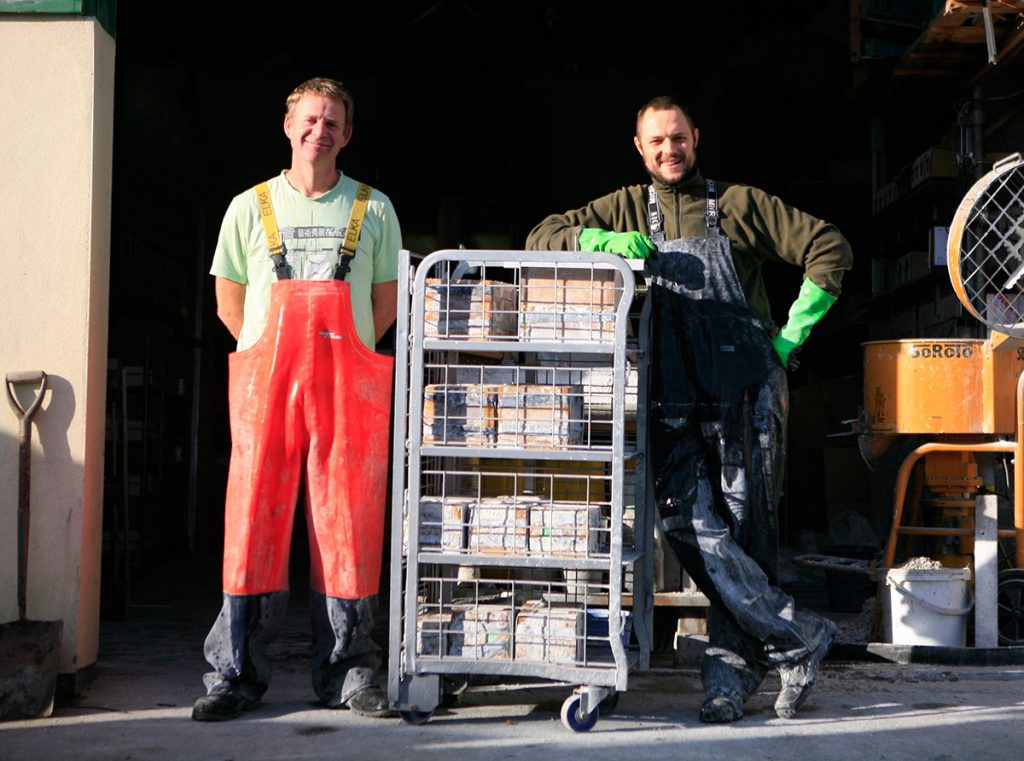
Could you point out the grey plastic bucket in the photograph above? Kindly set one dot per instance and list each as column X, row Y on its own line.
column 928, row 606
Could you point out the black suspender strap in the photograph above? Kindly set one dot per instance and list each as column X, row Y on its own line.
column 711, row 209
column 711, row 216
column 654, row 219
column 347, row 251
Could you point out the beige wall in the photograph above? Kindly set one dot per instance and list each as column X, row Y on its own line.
column 56, row 134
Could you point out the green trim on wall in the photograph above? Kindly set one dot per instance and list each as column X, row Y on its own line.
column 104, row 11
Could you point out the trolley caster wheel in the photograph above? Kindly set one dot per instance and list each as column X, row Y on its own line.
column 571, row 718
column 452, row 688
column 1010, row 599
column 607, row 706
column 416, row 718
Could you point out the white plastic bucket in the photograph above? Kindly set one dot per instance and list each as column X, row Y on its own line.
column 928, row 606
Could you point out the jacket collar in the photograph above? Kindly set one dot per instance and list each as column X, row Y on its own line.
column 692, row 185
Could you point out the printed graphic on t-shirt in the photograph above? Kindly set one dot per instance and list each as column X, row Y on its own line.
column 312, row 251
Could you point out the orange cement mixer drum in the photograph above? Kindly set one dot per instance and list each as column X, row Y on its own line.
column 923, row 386
column 985, row 253
column 939, row 385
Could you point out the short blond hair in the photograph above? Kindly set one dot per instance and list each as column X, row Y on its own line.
column 328, row 88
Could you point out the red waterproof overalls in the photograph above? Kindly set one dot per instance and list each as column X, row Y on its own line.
column 308, row 398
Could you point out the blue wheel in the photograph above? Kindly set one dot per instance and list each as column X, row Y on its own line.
column 416, row 718
column 572, row 719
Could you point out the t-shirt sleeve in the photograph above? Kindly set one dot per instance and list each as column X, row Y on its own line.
column 385, row 256
column 230, row 258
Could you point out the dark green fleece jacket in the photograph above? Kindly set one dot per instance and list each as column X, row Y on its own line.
column 760, row 228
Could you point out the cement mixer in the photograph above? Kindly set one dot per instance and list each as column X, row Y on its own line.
column 963, row 397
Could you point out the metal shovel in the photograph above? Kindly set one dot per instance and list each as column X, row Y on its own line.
column 29, row 650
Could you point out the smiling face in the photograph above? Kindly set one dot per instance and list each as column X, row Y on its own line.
column 318, row 129
column 667, row 142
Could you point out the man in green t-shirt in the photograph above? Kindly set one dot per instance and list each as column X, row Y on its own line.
column 306, row 267
column 718, row 390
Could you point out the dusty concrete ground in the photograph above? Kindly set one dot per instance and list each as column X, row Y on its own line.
column 138, row 709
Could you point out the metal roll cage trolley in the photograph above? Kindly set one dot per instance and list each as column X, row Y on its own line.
column 521, row 524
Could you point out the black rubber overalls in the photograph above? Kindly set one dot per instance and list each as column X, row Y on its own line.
column 718, row 425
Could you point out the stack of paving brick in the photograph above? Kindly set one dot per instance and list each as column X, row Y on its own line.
column 567, row 529
column 463, row 414
column 469, row 309
column 512, row 526
column 540, row 416
column 551, row 635
column 498, row 525
column 442, row 523
column 432, row 632
column 481, row 631
column 520, row 416
column 484, row 631
column 566, row 304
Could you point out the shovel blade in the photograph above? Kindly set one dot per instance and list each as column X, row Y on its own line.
column 29, row 658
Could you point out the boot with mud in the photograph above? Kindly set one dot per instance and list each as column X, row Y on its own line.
column 798, row 678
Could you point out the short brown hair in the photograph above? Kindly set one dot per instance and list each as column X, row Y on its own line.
column 662, row 103
column 328, row 88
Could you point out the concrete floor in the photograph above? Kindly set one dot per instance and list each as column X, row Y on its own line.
column 138, row 709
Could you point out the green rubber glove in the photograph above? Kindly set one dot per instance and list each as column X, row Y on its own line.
column 809, row 307
column 629, row 245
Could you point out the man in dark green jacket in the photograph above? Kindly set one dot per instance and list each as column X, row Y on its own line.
column 718, row 390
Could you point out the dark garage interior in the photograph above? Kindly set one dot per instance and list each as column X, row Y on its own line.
column 479, row 119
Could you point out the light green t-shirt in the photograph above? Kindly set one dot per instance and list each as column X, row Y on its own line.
column 312, row 230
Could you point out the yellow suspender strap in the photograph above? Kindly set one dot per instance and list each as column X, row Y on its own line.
column 269, row 220
column 347, row 252
column 271, row 230
column 348, row 246
column 355, row 222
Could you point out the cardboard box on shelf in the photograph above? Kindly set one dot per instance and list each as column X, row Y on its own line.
column 939, row 310
column 938, row 241
column 934, row 162
column 884, row 197
column 920, row 264
column 910, row 267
